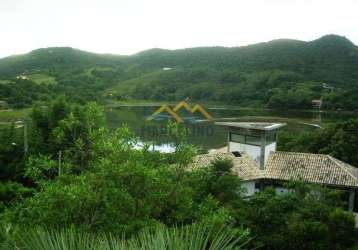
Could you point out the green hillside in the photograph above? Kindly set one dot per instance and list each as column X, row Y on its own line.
column 57, row 60
column 277, row 74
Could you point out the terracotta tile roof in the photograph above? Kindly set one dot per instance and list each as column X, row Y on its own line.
column 244, row 166
column 312, row 168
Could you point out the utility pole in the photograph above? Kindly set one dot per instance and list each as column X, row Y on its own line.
column 26, row 144
column 59, row 162
column 22, row 124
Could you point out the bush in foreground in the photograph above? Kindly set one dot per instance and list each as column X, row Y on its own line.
column 185, row 237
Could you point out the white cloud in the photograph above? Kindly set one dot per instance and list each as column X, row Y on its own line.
column 128, row 26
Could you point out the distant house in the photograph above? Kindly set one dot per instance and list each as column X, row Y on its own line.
column 317, row 104
column 252, row 148
column 22, row 77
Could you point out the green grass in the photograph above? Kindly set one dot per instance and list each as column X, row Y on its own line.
column 128, row 85
column 13, row 115
column 112, row 103
column 161, row 238
column 4, row 81
column 42, row 78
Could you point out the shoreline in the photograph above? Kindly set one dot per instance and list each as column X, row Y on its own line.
column 217, row 106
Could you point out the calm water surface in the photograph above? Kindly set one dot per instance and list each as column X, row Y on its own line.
column 205, row 135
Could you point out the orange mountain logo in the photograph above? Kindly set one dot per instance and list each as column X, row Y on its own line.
column 173, row 112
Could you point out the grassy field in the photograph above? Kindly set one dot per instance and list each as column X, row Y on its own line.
column 133, row 103
column 13, row 115
column 4, row 81
column 42, row 78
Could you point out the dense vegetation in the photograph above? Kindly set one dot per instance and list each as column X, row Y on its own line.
column 77, row 174
column 284, row 74
column 69, row 180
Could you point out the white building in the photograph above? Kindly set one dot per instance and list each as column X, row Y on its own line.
column 252, row 148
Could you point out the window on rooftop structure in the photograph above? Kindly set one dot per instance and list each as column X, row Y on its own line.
column 253, row 140
column 270, row 138
column 237, row 138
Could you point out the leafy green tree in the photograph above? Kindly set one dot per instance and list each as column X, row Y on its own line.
column 41, row 168
column 338, row 140
column 75, row 135
column 11, row 153
column 306, row 217
column 11, row 193
column 225, row 185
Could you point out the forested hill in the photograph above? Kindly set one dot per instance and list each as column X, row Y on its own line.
column 277, row 74
column 57, row 59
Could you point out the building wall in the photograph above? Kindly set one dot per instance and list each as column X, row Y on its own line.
column 251, row 150
column 249, row 187
column 268, row 149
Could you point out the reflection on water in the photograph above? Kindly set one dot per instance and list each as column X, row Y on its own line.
column 204, row 134
column 163, row 148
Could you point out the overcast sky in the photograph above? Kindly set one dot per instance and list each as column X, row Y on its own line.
column 129, row 26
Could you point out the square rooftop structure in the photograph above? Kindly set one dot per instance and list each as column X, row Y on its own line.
column 257, row 139
column 266, row 126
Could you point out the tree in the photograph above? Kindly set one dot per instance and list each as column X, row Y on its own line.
column 307, row 217
column 338, row 140
column 11, row 153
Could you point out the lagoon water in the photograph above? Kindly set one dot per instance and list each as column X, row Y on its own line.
column 205, row 134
